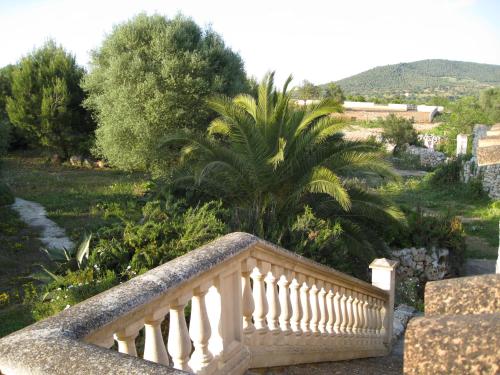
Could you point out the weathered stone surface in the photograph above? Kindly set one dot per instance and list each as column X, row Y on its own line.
column 488, row 155
column 426, row 264
column 464, row 295
column 453, row 344
column 428, row 157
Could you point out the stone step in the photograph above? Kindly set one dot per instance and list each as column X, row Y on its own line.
column 463, row 295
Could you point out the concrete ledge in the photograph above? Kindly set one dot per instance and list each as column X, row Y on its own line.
column 463, row 295
column 453, row 344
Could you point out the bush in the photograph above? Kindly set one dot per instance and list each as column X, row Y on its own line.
column 6, row 196
column 434, row 231
column 73, row 288
column 151, row 76
column 399, row 131
column 447, row 173
column 4, row 138
column 168, row 229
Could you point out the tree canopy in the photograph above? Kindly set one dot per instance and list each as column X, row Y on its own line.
column 152, row 75
column 46, row 98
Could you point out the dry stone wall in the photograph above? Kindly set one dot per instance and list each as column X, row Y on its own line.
column 488, row 174
column 428, row 157
column 425, row 264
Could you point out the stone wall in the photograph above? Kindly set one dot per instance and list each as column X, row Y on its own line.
column 488, row 174
column 428, row 157
column 375, row 114
column 425, row 264
column 430, row 140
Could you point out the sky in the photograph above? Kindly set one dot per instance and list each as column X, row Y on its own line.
column 320, row 41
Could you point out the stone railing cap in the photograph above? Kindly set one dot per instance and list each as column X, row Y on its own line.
column 384, row 263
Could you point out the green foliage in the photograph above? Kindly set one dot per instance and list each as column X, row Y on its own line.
column 69, row 290
column 489, row 101
column 451, row 78
column 333, row 91
column 168, row 229
column 307, row 91
column 266, row 160
column 434, row 231
column 46, row 100
column 6, row 196
column 4, row 137
column 448, row 173
column 152, row 75
column 399, row 131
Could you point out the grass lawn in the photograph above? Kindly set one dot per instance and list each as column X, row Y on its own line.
column 480, row 215
column 78, row 199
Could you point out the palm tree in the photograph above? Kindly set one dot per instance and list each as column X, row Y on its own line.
column 266, row 158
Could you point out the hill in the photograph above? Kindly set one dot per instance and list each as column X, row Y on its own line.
column 425, row 77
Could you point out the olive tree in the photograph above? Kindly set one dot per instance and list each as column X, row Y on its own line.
column 46, row 100
column 150, row 76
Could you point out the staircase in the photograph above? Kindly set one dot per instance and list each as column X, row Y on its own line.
column 460, row 333
column 249, row 304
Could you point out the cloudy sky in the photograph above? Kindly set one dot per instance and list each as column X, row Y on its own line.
column 316, row 40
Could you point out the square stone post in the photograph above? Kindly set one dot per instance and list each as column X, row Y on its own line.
column 384, row 277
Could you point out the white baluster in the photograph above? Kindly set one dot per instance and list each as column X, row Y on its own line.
column 313, row 302
column 306, row 309
column 365, row 317
column 350, row 313
column 361, row 318
column 126, row 338
column 296, row 306
column 273, row 301
column 199, row 330
column 383, row 317
column 329, row 307
column 343, row 311
column 338, row 310
column 247, row 297
column 285, row 304
column 154, row 346
column 179, row 344
column 355, row 302
column 259, row 298
column 371, row 317
column 323, row 311
column 378, row 306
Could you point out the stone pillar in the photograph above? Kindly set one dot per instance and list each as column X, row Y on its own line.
column 384, row 277
column 461, row 144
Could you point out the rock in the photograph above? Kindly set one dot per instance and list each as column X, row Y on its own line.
column 75, row 160
column 425, row 264
column 56, row 159
column 87, row 163
column 100, row 164
column 428, row 157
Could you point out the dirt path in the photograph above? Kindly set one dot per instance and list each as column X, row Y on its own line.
column 34, row 215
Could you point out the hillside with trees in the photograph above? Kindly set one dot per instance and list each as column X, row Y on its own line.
column 421, row 78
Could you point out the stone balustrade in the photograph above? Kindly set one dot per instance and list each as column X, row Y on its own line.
column 234, row 304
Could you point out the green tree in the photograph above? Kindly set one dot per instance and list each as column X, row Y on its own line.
column 46, row 99
column 152, row 75
column 489, row 101
column 334, row 92
column 308, row 91
column 5, row 92
column 267, row 160
column 399, row 131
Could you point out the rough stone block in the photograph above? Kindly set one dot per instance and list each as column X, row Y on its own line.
column 453, row 344
column 464, row 295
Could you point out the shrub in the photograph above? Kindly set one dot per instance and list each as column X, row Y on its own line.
column 73, row 288
column 46, row 100
column 434, row 231
column 152, row 75
column 399, row 131
column 4, row 137
column 447, row 173
column 6, row 196
column 168, row 229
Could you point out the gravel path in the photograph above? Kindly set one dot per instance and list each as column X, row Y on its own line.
column 34, row 214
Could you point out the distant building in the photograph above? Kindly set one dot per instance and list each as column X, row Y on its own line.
column 371, row 111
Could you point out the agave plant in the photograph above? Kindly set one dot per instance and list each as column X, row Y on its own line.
column 266, row 158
